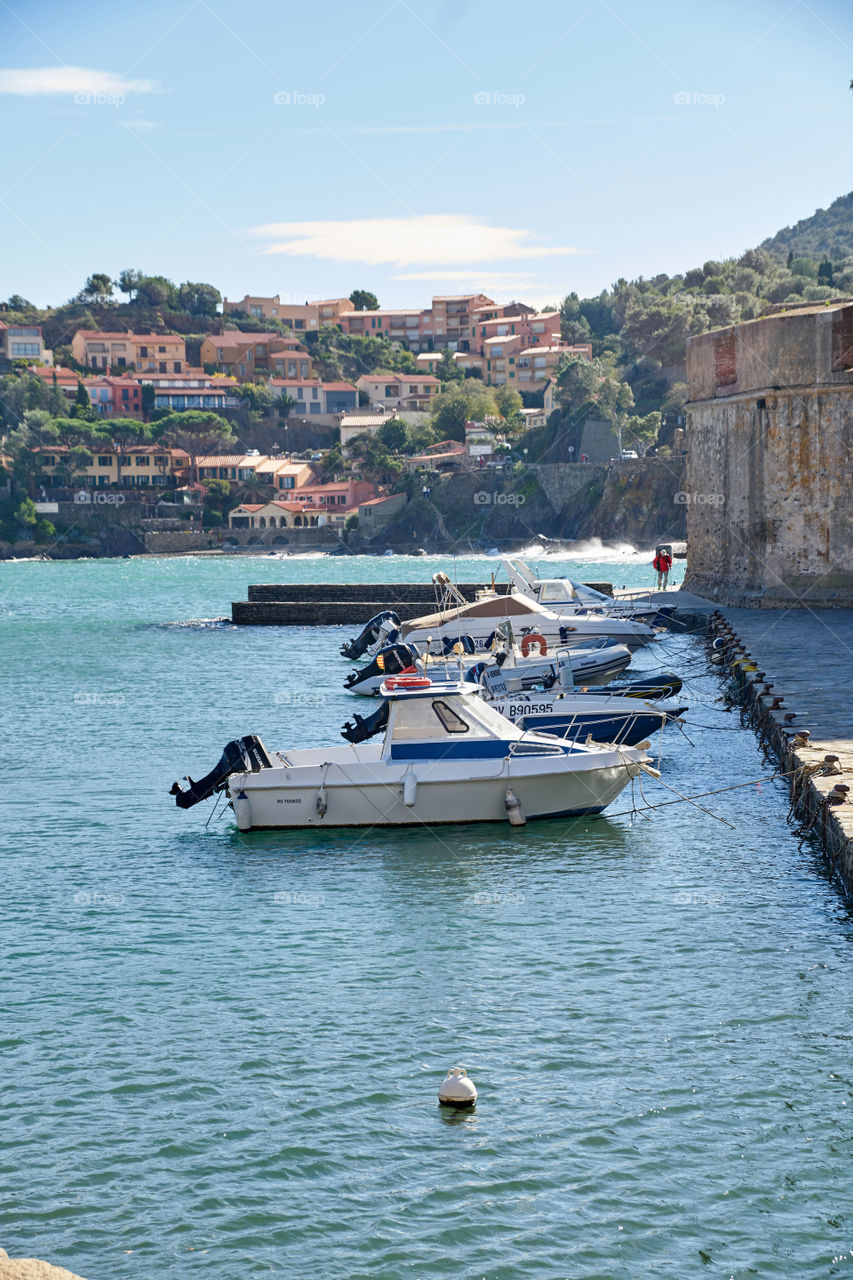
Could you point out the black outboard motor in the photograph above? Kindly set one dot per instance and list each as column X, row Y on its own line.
column 360, row 728
column 355, row 648
column 395, row 658
column 243, row 755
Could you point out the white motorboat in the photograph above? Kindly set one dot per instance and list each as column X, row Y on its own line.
column 579, row 715
column 530, row 620
column 569, row 597
column 446, row 757
column 596, row 662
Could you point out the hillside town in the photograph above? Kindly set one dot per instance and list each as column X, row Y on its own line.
column 135, row 417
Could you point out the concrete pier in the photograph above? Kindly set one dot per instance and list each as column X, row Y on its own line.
column 791, row 670
column 329, row 604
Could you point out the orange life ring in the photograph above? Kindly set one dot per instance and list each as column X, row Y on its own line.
column 408, row 682
column 529, row 641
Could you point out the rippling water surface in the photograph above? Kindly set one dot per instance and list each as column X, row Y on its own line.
column 221, row 1053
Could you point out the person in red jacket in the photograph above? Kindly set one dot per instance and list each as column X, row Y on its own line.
column 662, row 564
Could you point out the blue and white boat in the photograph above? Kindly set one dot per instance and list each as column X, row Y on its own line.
column 445, row 756
column 579, row 715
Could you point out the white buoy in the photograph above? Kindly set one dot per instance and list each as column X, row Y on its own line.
column 410, row 790
column 322, row 802
column 457, row 1089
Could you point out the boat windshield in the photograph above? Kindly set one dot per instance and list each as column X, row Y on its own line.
column 555, row 591
column 418, row 718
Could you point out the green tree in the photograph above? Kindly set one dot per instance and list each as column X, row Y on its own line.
column 156, row 291
column 196, row 431
column 448, row 370
column 82, row 404
column 363, row 300
column 285, row 405
column 128, row 281
column 98, row 288
column 26, row 514
column 393, row 435
column 199, row 299
column 22, row 392
column 467, row 401
column 17, row 303
column 509, row 403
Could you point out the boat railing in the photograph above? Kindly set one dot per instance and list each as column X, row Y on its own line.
column 535, row 747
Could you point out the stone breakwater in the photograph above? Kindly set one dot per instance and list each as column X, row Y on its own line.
column 31, row 1269
column 320, row 604
column 792, row 699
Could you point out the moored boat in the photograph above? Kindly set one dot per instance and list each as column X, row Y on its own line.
column 445, row 757
column 456, row 616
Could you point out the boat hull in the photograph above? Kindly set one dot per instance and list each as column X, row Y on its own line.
column 376, row 794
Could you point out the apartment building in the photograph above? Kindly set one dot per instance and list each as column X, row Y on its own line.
column 315, row 397
column 300, row 317
column 23, row 342
column 400, row 391
column 243, row 355
column 109, row 396
column 452, row 316
column 409, row 325
column 537, row 330
column 153, row 352
column 535, row 366
column 139, row 466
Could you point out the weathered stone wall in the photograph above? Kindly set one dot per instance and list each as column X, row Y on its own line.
column 159, row 542
column 770, row 469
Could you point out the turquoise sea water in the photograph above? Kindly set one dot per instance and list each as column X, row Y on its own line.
column 221, row 1053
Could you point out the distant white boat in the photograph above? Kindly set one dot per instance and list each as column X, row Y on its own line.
column 446, row 757
column 456, row 616
column 568, row 597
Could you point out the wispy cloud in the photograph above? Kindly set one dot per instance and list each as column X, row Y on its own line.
column 438, row 239
column 29, row 82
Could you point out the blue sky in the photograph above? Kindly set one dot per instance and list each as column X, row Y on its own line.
column 439, row 147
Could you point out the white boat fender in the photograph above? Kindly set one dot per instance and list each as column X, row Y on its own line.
column 242, row 810
column 513, row 809
column 457, row 1089
column 410, row 790
column 322, row 801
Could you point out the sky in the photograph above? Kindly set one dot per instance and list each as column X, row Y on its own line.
column 443, row 146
